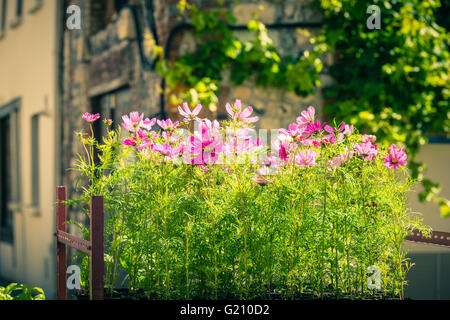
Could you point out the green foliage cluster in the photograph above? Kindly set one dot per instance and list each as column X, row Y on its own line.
column 393, row 81
column 16, row 291
column 218, row 49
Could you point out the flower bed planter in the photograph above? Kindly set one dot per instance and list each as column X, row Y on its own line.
column 207, row 213
column 118, row 294
column 125, row 294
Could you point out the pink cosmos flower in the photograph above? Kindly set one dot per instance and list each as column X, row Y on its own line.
column 313, row 127
column 368, row 137
column 330, row 129
column 168, row 125
column 145, row 144
column 318, row 143
column 244, row 140
column 348, row 130
column 147, row 124
column 137, row 139
column 284, row 147
column 283, row 152
column 306, row 117
column 188, row 114
column 132, row 122
column 172, row 138
column 241, row 145
column 210, row 126
column 306, row 158
column 396, row 157
column 337, row 161
column 129, row 142
column 272, row 161
column 240, row 115
column 249, row 145
column 341, row 159
column 91, row 117
column 294, row 130
column 167, row 150
column 206, row 145
column 204, row 151
column 308, row 142
column 329, row 139
column 240, row 141
column 367, row 150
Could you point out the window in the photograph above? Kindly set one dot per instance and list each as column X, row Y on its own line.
column 5, row 178
column 18, row 14
column 35, row 160
column 103, row 13
column 9, row 186
column 19, row 8
column 97, row 126
column 3, row 17
column 110, row 105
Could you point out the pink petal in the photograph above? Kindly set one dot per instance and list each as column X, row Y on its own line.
column 252, row 119
column 186, row 108
column 182, row 113
column 237, row 104
column 328, row 129
column 229, row 109
column 197, row 109
column 247, row 111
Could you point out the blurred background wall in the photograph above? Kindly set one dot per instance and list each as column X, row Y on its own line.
column 430, row 277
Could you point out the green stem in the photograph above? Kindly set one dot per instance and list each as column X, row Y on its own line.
column 187, row 260
column 244, row 234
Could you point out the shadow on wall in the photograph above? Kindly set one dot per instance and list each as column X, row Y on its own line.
column 429, row 278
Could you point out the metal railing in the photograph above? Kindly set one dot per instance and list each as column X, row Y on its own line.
column 94, row 247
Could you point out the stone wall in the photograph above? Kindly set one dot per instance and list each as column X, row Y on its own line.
column 103, row 71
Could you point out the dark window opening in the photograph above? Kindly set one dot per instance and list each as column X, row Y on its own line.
column 111, row 105
column 112, row 111
column 4, row 7
column 19, row 8
column 103, row 13
column 35, row 160
column 97, row 126
column 6, row 223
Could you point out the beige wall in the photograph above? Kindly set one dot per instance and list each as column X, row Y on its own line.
column 429, row 277
column 28, row 65
column 437, row 158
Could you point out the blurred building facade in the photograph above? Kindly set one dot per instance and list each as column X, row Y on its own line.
column 29, row 95
column 56, row 74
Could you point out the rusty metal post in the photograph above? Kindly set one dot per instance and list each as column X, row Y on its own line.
column 61, row 275
column 97, row 256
